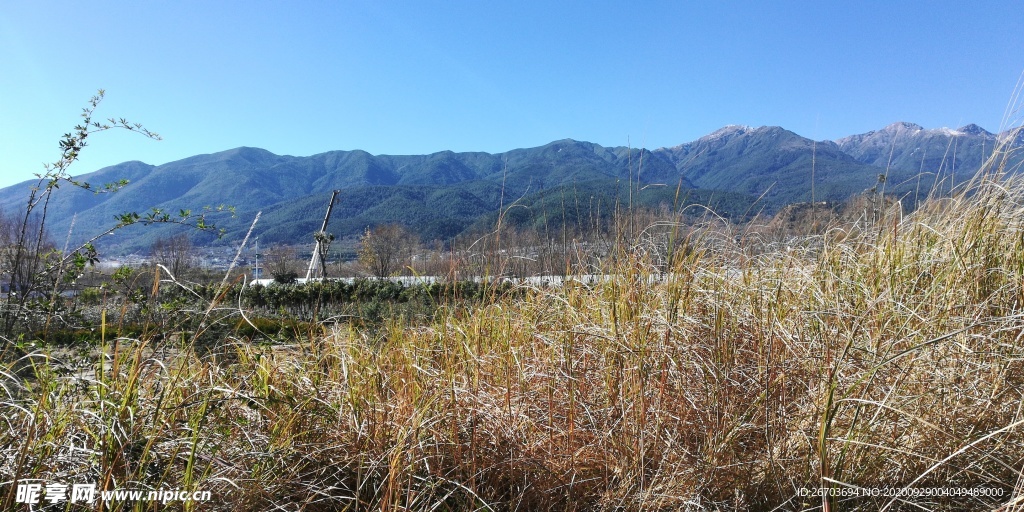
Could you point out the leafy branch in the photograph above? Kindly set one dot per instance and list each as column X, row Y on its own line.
column 33, row 268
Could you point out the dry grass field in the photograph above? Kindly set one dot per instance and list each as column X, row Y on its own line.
column 885, row 351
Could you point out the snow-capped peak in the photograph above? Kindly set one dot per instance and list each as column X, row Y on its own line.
column 903, row 126
column 973, row 129
column 726, row 131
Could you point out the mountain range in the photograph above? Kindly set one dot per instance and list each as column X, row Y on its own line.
column 737, row 170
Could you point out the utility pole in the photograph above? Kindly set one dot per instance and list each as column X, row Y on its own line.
column 323, row 241
column 256, row 267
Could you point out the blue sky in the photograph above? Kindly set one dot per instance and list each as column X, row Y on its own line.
column 396, row 77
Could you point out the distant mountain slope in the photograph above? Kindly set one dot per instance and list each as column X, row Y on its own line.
column 440, row 194
column 772, row 162
column 437, row 212
column 443, row 194
column 910, row 148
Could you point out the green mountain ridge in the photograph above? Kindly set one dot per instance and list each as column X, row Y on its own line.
column 443, row 194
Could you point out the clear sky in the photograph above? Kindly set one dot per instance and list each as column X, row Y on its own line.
column 399, row 77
